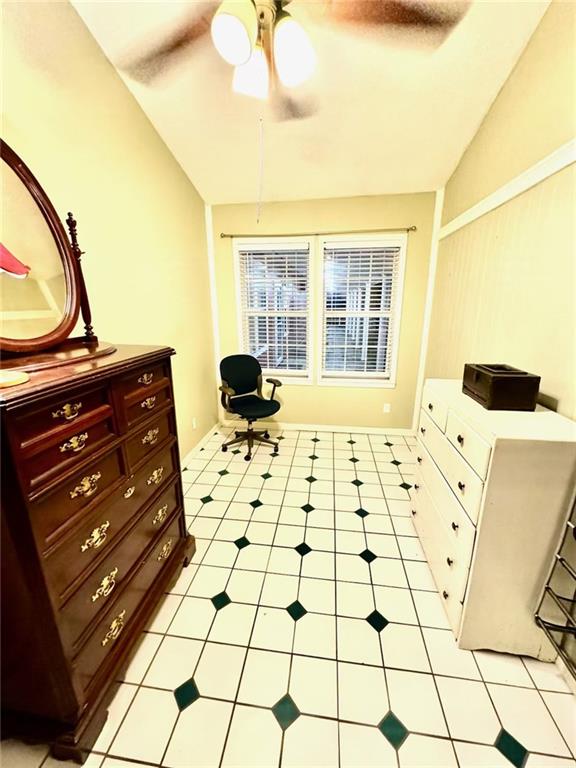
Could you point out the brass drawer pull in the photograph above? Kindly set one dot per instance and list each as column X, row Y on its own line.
column 129, row 491
column 146, row 379
column 106, row 585
column 149, row 403
column 96, row 538
column 156, row 476
column 151, row 437
column 161, row 515
column 115, row 628
column 87, row 486
column 75, row 444
column 166, row 549
column 68, row 411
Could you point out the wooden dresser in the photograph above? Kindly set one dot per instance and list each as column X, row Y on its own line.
column 490, row 500
column 93, row 534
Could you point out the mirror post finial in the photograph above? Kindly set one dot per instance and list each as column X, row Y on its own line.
column 84, row 303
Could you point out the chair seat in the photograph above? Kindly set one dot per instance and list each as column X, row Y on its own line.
column 254, row 407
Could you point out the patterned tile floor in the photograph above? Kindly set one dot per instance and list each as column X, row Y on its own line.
column 308, row 632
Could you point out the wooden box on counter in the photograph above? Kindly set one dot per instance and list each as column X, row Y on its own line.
column 93, row 534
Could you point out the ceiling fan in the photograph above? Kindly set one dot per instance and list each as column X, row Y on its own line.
column 270, row 50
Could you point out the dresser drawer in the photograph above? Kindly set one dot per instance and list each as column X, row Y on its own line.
column 56, row 512
column 434, row 405
column 469, row 444
column 464, row 482
column 99, row 588
column 116, row 621
column 85, row 544
column 460, row 530
column 144, row 378
column 140, row 405
column 153, row 434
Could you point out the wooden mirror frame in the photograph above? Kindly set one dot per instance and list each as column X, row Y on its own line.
column 69, row 262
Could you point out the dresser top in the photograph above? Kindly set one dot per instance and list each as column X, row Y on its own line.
column 541, row 424
column 62, row 377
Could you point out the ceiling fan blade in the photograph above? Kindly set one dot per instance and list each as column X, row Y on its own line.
column 424, row 14
column 148, row 67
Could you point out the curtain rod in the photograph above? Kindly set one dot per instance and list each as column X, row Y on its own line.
column 319, row 234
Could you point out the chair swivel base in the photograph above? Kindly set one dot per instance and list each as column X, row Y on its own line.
column 251, row 436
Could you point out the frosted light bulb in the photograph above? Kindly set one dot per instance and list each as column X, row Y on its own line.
column 294, row 56
column 252, row 78
column 234, row 29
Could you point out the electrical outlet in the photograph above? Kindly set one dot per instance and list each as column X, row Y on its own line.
column 194, row 423
column 386, row 408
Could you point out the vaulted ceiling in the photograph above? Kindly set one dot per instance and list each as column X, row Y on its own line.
column 391, row 116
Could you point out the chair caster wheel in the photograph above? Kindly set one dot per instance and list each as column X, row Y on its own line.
column 248, row 457
column 266, row 435
column 275, row 452
column 237, row 434
column 224, row 448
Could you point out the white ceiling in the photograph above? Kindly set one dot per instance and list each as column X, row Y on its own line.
column 390, row 118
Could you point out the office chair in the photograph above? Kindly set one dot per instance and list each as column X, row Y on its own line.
column 241, row 375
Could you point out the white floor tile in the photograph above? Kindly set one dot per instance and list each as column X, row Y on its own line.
column 419, row 576
column 228, row 530
column 468, row 710
column 233, row 624
column 563, row 709
column 245, row 586
column 208, row 581
column 254, row 739
column 352, row 568
column 265, row 677
column 546, row 676
column 316, row 636
column 403, row 648
column 289, row 535
column 254, row 557
column 395, row 604
column 317, row 595
column 320, row 539
column 146, row 729
column 311, row 741
column 355, row 600
column 502, row 668
column 445, row 656
column 148, row 646
column 116, row 711
column 477, row 756
column 427, row 752
column 379, row 524
column 284, row 561
column 198, row 739
column 358, row 641
column 362, row 693
column 313, row 686
column 164, row 614
column 218, row 672
column 174, row 662
column 546, row 761
column 388, row 573
column 415, row 702
column 193, row 618
column 382, row 545
column 319, row 565
column 221, row 553
column 273, row 630
column 365, row 747
column 430, row 609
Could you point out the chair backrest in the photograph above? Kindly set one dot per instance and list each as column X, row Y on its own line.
column 240, row 372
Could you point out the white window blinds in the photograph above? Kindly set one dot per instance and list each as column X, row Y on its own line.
column 274, row 301
column 362, row 289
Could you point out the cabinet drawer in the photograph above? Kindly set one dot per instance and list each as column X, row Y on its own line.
column 116, row 621
column 463, row 481
column 469, row 444
column 434, row 406
column 97, row 590
column 460, row 530
column 85, row 544
column 146, row 439
column 142, row 403
column 144, row 378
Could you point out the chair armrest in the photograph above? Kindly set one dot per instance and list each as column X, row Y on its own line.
column 275, row 383
column 227, row 393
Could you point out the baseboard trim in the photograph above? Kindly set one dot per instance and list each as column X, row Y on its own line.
column 200, row 444
column 322, row 428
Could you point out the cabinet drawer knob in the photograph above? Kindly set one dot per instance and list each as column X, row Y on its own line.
column 165, row 551
column 76, row 443
column 87, row 486
column 461, row 486
column 445, row 595
column 416, row 487
column 454, row 526
column 149, row 403
column 129, row 491
column 151, row 437
column 413, row 512
column 423, row 430
column 96, row 538
column 106, row 585
column 460, row 439
column 449, row 561
column 430, row 407
column 161, row 515
column 146, row 379
column 115, row 628
column 156, row 476
column 69, row 411
column 419, row 459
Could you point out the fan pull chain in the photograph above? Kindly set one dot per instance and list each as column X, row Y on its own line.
column 260, row 170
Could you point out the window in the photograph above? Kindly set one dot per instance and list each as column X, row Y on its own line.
column 361, row 298
column 274, row 304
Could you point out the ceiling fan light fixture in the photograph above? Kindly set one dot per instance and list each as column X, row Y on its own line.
column 253, row 77
column 294, row 55
column 234, row 30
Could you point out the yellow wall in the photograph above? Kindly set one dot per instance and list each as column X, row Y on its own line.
column 346, row 406
column 505, row 286
column 141, row 222
column 534, row 114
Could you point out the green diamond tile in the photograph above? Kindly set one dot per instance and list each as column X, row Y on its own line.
column 186, row 694
column 221, row 600
column 280, row 437
column 201, row 449
column 266, row 476
column 236, row 450
column 512, row 750
column 389, row 444
column 357, row 483
column 206, row 499
column 308, row 508
column 354, row 460
column 351, row 442
column 313, row 457
column 393, row 730
column 242, row 542
column 296, row 610
column 223, row 472
column 256, row 503
column 303, row 549
column 315, row 440
column 310, row 479
column 377, row 621
column 285, row 711
column 396, row 462
column 361, row 512
column 368, row 556
column 406, row 486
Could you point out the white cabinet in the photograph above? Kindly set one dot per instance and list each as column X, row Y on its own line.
column 489, row 503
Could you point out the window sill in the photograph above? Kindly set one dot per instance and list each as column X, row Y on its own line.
column 358, row 383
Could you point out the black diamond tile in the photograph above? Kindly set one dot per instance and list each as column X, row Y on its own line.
column 357, row 483
column 223, row 472
column 377, row 621
column 280, row 437
column 311, row 479
column 308, row 508
column 351, row 442
column 396, row 462
column 256, row 503
column 221, row 600
column 393, row 730
column 303, row 549
column 354, row 460
column 285, row 711
column 406, row 486
column 368, row 556
column 315, row 439
column 201, row 449
column 266, row 476
column 313, row 457
column 389, row 444
column 274, row 454
column 512, row 750
column 361, row 512
column 242, row 542
column 186, row 694
column 296, row 610
column 206, row 499
column 236, row 450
